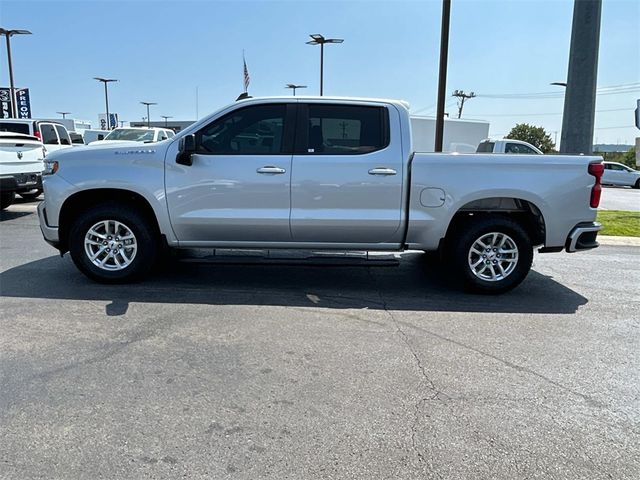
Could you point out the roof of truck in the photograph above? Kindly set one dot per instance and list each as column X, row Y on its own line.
column 325, row 98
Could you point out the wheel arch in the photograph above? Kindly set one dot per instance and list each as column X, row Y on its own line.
column 524, row 212
column 84, row 200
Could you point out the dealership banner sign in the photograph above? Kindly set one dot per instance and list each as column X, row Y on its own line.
column 5, row 103
column 23, row 103
column 113, row 121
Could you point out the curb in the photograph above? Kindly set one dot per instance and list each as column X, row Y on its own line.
column 619, row 241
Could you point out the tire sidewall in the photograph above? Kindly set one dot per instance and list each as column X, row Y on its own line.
column 146, row 242
column 472, row 232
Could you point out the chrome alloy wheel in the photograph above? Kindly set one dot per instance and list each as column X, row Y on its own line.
column 110, row 245
column 493, row 256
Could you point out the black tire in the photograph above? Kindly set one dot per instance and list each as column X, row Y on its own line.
column 31, row 195
column 460, row 254
column 637, row 185
column 6, row 199
column 146, row 239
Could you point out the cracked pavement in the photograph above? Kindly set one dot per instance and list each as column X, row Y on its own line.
column 287, row 372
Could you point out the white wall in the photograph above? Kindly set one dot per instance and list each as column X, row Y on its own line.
column 459, row 135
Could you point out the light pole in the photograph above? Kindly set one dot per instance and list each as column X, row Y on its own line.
column 148, row 118
column 64, row 114
column 293, row 87
column 317, row 39
column 165, row 119
column 442, row 75
column 106, row 96
column 12, row 90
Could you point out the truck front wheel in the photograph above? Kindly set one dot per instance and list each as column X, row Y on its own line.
column 113, row 243
column 491, row 254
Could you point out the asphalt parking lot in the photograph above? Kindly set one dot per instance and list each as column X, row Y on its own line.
column 304, row 371
column 620, row 198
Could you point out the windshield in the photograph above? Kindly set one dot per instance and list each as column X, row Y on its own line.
column 131, row 134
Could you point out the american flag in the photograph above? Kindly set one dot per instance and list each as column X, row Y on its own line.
column 247, row 78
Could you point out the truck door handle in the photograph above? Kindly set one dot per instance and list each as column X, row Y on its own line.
column 270, row 169
column 382, row 171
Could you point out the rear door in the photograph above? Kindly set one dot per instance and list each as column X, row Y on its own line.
column 347, row 176
column 238, row 188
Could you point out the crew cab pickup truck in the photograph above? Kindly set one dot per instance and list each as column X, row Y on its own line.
column 316, row 173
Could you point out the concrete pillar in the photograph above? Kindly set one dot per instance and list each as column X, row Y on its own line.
column 580, row 95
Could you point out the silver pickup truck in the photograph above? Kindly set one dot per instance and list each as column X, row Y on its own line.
column 316, row 173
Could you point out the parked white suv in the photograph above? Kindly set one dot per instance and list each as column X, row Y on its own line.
column 135, row 134
column 53, row 135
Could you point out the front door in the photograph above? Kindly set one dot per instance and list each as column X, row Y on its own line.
column 238, row 188
column 346, row 184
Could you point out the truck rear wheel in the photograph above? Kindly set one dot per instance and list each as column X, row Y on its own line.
column 113, row 243
column 492, row 254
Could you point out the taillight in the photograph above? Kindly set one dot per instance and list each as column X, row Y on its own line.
column 37, row 135
column 596, row 169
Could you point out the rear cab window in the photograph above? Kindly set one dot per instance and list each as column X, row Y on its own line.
column 485, row 147
column 343, row 129
column 15, row 127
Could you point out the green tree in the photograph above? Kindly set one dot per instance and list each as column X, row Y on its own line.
column 536, row 136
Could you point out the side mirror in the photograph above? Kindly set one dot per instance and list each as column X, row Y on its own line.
column 186, row 148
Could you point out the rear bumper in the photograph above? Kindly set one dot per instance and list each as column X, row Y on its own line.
column 583, row 237
column 49, row 233
column 21, row 182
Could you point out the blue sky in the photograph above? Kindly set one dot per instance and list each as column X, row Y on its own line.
column 161, row 51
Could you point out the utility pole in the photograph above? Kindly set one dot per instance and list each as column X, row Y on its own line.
column 442, row 77
column 461, row 99
column 580, row 96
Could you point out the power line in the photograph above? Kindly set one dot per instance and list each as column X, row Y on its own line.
column 544, row 113
column 611, row 128
column 609, row 90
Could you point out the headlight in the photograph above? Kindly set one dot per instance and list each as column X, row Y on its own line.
column 50, row 167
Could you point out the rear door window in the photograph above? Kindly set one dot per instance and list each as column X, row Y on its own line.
column 518, row 148
column 345, row 129
column 48, row 132
column 63, row 134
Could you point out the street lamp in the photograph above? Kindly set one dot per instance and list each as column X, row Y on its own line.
column 317, row 39
column 106, row 96
column 12, row 90
column 148, row 118
column 293, row 87
column 64, row 114
column 165, row 119
column 560, row 84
